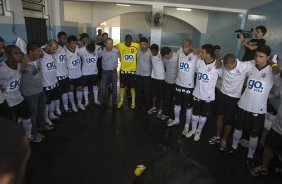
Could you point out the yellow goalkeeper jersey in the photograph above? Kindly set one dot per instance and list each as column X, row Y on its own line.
column 128, row 56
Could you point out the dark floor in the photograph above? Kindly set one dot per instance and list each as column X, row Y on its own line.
column 103, row 147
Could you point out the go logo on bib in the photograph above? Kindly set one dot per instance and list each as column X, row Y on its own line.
column 62, row 58
column 257, row 86
column 75, row 62
column 128, row 57
column 91, row 60
column 203, row 77
column 15, row 84
column 50, row 66
column 184, row 66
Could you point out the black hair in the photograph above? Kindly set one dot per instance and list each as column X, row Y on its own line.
column 165, row 51
column 91, row 47
column 216, row 47
column 9, row 48
column 229, row 58
column 32, row 46
column 83, row 35
column 209, row 49
column 176, row 169
column 72, row 38
column 264, row 49
column 144, row 39
column 128, row 37
column 14, row 149
column 2, row 40
column 262, row 28
column 105, row 34
column 154, row 47
column 60, row 34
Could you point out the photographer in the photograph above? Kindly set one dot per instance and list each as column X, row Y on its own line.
column 253, row 44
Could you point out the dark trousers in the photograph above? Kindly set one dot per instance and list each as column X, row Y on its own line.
column 143, row 90
column 169, row 93
column 109, row 76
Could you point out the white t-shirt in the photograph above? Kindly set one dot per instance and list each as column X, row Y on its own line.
column 207, row 75
column 158, row 71
column 73, row 63
column 61, row 62
column 186, row 70
column 89, row 61
column 48, row 68
column 233, row 80
column 10, row 80
column 259, row 84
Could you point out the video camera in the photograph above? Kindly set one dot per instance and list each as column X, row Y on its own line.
column 246, row 34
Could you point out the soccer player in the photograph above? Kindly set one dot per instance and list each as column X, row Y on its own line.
column 170, row 60
column 253, row 102
column 204, row 92
column 143, row 72
column 49, row 81
column 89, row 56
column 128, row 51
column 10, row 78
column 184, row 84
column 234, row 74
column 157, row 81
column 62, row 71
column 74, row 71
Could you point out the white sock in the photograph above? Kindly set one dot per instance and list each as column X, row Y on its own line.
column 85, row 92
column 253, row 142
column 52, row 106
column 57, row 104
column 202, row 122
column 27, row 127
column 188, row 118
column 71, row 97
column 46, row 112
column 65, row 99
column 79, row 97
column 236, row 138
column 177, row 112
column 195, row 120
column 95, row 93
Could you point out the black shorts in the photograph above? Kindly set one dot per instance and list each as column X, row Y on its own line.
column 183, row 96
column 201, row 107
column 76, row 82
column 274, row 140
column 250, row 121
column 90, row 80
column 4, row 110
column 64, row 84
column 227, row 106
column 127, row 79
column 157, row 87
column 52, row 93
column 20, row 110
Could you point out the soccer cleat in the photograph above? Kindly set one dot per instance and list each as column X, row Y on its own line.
column 185, row 131
column 35, row 139
column 152, row 110
column 58, row 112
column 214, row 140
column 39, row 135
column 86, row 103
column 164, row 117
column 172, row 123
column 250, row 163
column 66, row 108
column 81, row 107
column 232, row 151
column 189, row 134
column 197, row 136
column 258, row 171
column 96, row 102
column 119, row 105
column 52, row 116
column 132, row 105
column 49, row 122
column 74, row 108
column 222, row 146
column 48, row 127
column 159, row 115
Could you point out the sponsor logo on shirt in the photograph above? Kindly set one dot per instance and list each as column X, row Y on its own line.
column 203, row 77
column 257, row 86
column 91, row 60
column 62, row 58
column 75, row 62
column 184, row 66
column 14, row 85
column 128, row 57
column 50, row 66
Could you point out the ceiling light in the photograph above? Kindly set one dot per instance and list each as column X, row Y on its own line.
column 123, row 4
column 184, row 9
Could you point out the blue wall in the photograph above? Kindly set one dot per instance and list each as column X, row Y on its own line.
column 133, row 33
column 269, row 16
column 8, row 35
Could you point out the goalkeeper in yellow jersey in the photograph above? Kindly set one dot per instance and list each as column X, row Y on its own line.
column 128, row 51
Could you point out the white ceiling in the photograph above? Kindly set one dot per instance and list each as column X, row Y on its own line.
column 239, row 6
